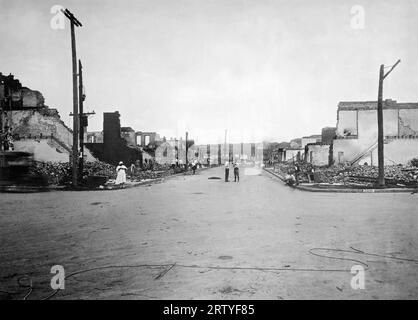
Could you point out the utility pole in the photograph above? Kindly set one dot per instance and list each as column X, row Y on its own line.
column 1, row 125
column 83, row 118
column 225, row 146
column 380, row 134
column 2, row 98
column 176, row 148
column 4, row 117
column 76, row 121
column 187, row 150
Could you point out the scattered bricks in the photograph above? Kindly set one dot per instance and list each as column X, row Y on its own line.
column 60, row 173
column 355, row 175
column 55, row 173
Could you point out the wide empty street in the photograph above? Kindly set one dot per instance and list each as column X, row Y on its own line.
column 197, row 237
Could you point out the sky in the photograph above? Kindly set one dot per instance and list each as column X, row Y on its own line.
column 260, row 69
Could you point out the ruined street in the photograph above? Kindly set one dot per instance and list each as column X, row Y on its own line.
column 192, row 237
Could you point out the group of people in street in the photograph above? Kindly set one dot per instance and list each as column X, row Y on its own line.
column 122, row 171
column 236, row 171
column 180, row 165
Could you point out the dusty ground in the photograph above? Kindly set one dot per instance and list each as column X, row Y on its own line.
column 198, row 223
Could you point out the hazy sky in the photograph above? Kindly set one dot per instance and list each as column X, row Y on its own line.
column 261, row 69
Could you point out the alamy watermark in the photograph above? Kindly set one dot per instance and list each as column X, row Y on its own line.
column 58, row 280
column 58, row 19
column 358, row 280
column 358, row 18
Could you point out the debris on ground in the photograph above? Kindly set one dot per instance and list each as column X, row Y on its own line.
column 59, row 174
column 356, row 175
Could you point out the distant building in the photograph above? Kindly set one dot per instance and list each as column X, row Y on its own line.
column 328, row 135
column 219, row 153
column 147, row 139
column 319, row 153
column 115, row 145
column 296, row 143
column 128, row 134
column 94, row 137
column 172, row 150
column 20, row 97
column 310, row 139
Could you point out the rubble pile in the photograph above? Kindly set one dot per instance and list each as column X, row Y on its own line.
column 364, row 176
column 147, row 175
column 54, row 173
column 159, row 171
column 51, row 173
column 98, row 168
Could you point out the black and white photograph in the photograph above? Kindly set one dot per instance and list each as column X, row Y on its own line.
column 214, row 150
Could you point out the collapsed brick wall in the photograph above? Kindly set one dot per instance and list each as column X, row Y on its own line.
column 32, row 99
column 408, row 122
column 36, row 123
column 318, row 154
column 42, row 150
column 21, row 97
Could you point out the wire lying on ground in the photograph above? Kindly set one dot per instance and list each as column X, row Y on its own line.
column 313, row 251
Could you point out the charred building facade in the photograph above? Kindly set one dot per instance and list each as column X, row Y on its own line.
column 115, row 147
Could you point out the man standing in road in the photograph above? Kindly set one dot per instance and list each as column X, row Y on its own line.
column 236, row 172
column 226, row 171
column 194, row 166
column 297, row 171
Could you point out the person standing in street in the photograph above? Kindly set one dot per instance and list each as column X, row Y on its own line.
column 297, row 172
column 121, row 177
column 194, row 166
column 226, row 171
column 236, row 172
column 132, row 169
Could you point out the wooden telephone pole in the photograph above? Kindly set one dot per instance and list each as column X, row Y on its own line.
column 380, row 136
column 187, row 150
column 226, row 158
column 2, row 98
column 76, row 121
column 83, row 117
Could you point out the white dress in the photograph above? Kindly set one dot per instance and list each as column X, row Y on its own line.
column 121, row 177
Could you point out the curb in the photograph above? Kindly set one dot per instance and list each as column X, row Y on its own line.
column 37, row 189
column 151, row 181
column 345, row 190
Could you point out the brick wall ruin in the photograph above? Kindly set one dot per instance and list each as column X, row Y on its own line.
column 34, row 126
column 357, row 132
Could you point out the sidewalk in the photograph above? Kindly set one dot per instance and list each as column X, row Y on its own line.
column 109, row 187
column 325, row 187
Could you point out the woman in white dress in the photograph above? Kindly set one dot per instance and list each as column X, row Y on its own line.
column 121, row 177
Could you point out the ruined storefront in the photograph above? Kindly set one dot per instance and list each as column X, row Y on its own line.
column 114, row 147
column 34, row 127
column 356, row 140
